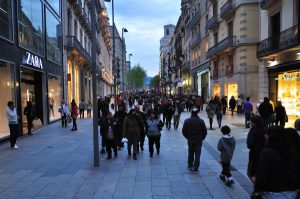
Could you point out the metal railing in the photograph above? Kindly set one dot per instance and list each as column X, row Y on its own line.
column 265, row 4
column 73, row 43
column 287, row 39
column 212, row 22
column 227, row 8
column 221, row 46
column 194, row 19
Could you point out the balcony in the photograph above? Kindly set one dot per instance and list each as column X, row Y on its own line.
column 288, row 38
column 226, row 44
column 265, row 4
column 74, row 44
column 212, row 22
column 196, row 39
column 194, row 19
column 227, row 9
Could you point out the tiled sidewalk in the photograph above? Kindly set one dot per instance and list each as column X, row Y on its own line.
column 57, row 163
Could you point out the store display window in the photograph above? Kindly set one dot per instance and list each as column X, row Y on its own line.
column 7, row 90
column 54, row 96
column 231, row 90
column 216, row 90
column 289, row 92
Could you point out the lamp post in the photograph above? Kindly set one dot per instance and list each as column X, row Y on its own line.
column 114, row 52
column 123, row 60
column 130, row 85
column 94, row 82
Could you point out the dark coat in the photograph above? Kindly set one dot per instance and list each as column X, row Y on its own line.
column 256, row 142
column 131, row 129
column 104, row 126
column 232, row 104
column 276, row 174
column 265, row 110
column 280, row 113
column 194, row 129
column 119, row 117
column 169, row 111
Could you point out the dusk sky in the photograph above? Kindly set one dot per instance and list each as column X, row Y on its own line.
column 144, row 20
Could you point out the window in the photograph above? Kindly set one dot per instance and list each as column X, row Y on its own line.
column 54, row 93
column 75, row 28
column 55, row 4
column 30, row 23
column 69, row 21
column 7, row 90
column 6, row 25
column 53, row 38
column 167, row 31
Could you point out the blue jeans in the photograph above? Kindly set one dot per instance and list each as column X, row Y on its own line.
column 194, row 154
column 219, row 119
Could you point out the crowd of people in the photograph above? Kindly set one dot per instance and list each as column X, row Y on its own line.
column 274, row 159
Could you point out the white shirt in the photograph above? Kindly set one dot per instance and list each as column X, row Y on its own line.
column 12, row 116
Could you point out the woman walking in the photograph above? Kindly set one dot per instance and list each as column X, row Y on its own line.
column 232, row 104
column 219, row 110
column 74, row 114
column 210, row 109
column 153, row 128
column 281, row 116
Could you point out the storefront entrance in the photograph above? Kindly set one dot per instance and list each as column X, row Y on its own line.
column 216, row 90
column 231, row 90
column 31, row 90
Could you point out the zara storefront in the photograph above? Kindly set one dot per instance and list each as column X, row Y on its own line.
column 30, row 60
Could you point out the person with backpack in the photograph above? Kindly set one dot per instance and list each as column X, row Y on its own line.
column 153, row 128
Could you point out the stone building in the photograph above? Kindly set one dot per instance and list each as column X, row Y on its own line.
column 233, row 34
column 279, row 53
column 165, row 45
column 77, row 33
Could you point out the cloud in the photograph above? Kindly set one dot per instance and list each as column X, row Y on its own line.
column 145, row 21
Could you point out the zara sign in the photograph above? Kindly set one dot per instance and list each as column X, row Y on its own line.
column 32, row 60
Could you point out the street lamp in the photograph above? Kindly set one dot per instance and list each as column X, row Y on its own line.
column 94, row 82
column 114, row 52
column 123, row 60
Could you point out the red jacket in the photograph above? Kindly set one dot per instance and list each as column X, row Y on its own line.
column 74, row 111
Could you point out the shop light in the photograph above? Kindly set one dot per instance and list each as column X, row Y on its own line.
column 298, row 53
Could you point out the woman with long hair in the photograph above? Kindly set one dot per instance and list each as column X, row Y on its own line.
column 74, row 114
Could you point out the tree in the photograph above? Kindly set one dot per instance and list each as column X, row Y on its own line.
column 136, row 77
column 155, row 82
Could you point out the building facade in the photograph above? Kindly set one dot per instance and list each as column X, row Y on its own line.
column 165, row 47
column 233, row 34
column 31, row 63
column 279, row 53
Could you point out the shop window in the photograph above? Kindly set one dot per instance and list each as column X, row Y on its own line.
column 54, row 50
column 55, row 5
column 30, row 23
column 289, row 92
column 55, row 96
column 7, row 90
column 6, row 24
column 70, row 82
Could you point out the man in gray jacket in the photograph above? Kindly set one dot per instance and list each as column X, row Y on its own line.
column 194, row 130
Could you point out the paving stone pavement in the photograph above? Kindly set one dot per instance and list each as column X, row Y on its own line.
column 58, row 163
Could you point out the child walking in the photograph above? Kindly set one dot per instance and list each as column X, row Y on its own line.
column 226, row 146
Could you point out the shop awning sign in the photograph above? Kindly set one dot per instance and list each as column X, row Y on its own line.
column 32, row 60
column 286, row 76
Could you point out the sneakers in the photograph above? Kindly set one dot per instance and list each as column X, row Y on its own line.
column 134, row 157
column 190, row 168
column 195, row 171
column 222, row 177
column 15, row 147
column 229, row 182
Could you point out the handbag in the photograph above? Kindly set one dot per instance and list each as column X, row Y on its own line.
column 286, row 118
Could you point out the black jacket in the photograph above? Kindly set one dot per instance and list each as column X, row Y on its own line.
column 232, row 103
column 194, row 129
column 104, row 126
column 276, row 174
column 280, row 113
column 265, row 110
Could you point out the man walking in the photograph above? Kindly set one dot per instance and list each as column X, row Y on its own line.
column 248, row 109
column 81, row 109
column 194, row 130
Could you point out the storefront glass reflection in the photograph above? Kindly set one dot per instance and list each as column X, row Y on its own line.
column 53, row 38
column 289, row 92
column 30, row 23
column 55, row 96
column 55, row 4
column 7, row 94
column 6, row 29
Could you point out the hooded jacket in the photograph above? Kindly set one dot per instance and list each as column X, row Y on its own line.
column 226, row 146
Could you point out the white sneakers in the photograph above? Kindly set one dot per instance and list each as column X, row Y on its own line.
column 15, row 147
